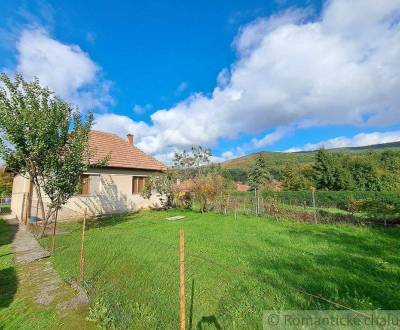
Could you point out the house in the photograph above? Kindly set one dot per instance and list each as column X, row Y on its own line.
column 114, row 188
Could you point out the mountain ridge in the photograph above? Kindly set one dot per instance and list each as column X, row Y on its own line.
column 280, row 158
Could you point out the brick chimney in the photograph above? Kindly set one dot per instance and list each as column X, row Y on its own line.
column 130, row 139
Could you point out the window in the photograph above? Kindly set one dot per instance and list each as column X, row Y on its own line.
column 84, row 184
column 90, row 184
column 138, row 183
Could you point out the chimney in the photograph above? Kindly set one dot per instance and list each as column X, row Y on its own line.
column 130, row 139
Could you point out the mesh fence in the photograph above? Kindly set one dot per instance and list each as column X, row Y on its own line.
column 5, row 204
column 131, row 269
column 271, row 207
column 132, row 276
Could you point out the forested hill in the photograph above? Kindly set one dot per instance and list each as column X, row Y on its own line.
column 277, row 160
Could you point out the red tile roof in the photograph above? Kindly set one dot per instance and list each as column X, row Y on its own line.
column 123, row 155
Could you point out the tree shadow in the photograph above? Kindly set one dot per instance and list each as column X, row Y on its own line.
column 8, row 276
column 191, row 306
column 8, row 286
column 350, row 272
column 8, row 231
column 208, row 320
column 108, row 202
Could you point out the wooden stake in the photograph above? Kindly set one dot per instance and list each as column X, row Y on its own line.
column 182, row 320
column 53, row 243
column 255, row 200
column 82, row 263
column 26, row 209
column 235, row 205
column 315, row 209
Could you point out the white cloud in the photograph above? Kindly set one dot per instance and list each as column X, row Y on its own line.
column 340, row 68
column 271, row 138
column 227, row 155
column 359, row 140
column 182, row 87
column 141, row 109
column 65, row 69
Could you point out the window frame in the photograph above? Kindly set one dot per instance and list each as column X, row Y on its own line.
column 138, row 184
column 85, row 184
column 88, row 193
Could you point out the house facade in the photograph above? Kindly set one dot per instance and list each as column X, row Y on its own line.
column 114, row 188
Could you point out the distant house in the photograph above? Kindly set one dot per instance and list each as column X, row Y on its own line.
column 114, row 188
column 242, row 187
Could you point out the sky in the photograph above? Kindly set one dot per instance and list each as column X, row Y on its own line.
column 235, row 76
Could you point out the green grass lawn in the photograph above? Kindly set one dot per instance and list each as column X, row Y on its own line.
column 235, row 268
column 17, row 310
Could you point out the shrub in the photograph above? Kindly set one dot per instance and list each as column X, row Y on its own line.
column 337, row 199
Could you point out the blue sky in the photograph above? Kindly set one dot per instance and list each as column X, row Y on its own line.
column 237, row 76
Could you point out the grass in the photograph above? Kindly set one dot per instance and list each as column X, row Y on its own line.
column 235, row 269
column 17, row 310
column 18, row 306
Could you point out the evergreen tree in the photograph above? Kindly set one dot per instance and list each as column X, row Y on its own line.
column 294, row 179
column 258, row 173
column 324, row 170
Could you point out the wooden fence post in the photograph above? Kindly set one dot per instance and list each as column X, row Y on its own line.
column 82, row 262
column 182, row 318
column 235, row 206
column 53, row 243
column 255, row 200
column 314, row 206
column 26, row 209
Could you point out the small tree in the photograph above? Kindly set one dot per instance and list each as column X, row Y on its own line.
column 258, row 173
column 163, row 184
column 190, row 163
column 44, row 139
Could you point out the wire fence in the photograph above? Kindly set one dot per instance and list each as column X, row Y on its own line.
column 5, row 204
column 134, row 279
column 271, row 207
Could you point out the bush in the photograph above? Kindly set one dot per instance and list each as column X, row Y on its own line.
column 337, row 199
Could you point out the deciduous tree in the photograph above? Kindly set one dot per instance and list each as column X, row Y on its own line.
column 44, row 139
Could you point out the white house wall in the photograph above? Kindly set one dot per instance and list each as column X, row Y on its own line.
column 111, row 193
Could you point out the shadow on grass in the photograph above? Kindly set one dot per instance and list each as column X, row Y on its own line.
column 354, row 271
column 8, row 286
column 8, row 275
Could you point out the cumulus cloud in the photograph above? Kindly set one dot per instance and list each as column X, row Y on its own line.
column 66, row 69
column 359, row 140
column 295, row 70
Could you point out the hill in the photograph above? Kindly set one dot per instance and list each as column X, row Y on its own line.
column 277, row 160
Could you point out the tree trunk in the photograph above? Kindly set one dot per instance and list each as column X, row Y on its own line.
column 40, row 199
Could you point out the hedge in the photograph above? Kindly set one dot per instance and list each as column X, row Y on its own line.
column 337, row 199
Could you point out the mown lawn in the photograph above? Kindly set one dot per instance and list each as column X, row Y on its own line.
column 235, row 268
column 19, row 306
column 17, row 309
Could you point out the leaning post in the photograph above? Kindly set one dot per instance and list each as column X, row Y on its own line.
column 182, row 319
column 54, row 232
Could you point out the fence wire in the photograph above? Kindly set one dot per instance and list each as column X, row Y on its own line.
column 139, row 286
column 133, row 280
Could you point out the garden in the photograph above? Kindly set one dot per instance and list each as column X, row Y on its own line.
column 236, row 267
